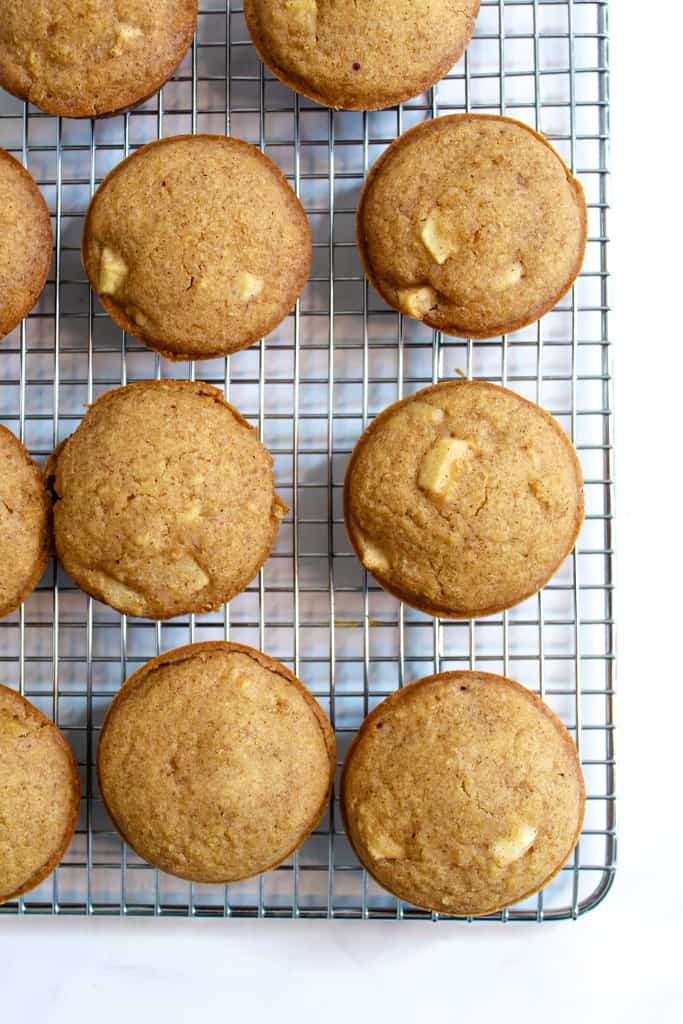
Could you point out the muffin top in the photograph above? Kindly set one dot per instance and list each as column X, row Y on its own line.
column 196, row 245
column 215, row 762
column 24, row 523
column 473, row 224
column 25, row 242
column 463, row 499
column 463, row 793
column 164, row 500
column 360, row 54
column 39, row 795
column 86, row 58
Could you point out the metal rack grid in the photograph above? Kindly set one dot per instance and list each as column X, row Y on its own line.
column 311, row 387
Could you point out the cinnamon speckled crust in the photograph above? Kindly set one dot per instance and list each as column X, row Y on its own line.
column 215, row 762
column 463, row 793
column 25, row 242
column 165, row 500
column 214, row 245
column 39, row 796
column 24, row 523
column 360, row 54
column 510, row 221
column 88, row 58
column 506, row 521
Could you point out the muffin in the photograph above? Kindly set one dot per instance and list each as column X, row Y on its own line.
column 25, row 242
column 85, row 59
column 39, row 796
column 24, row 523
column 462, row 793
column 472, row 224
column 360, row 54
column 215, row 763
column 463, row 499
column 164, row 500
column 196, row 245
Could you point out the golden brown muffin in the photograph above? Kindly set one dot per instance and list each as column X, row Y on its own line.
column 473, row 224
column 215, row 762
column 86, row 58
column 360, row 54
column 463, row 499
column 164, row 500
column 24, row 523
column 196, row 245
column 25, row 242
column 39, row 796
column 462, row 793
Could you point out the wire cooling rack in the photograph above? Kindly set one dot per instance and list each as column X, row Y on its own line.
column 311, row 388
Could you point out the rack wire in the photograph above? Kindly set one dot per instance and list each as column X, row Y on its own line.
column 311, row 387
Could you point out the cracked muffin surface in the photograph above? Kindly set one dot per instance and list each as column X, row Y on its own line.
column 196, row 245
column 473, row 224
column 164, row 500
column 215, row 762
column 24, row 523
column 463, row 499
column 462, row 793
column 360, row 54
column 86, row 58
column 39, row 795
column 25, row 242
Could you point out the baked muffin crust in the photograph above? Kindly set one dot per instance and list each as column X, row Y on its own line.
column 360, row 54
column 215, row 762
column 39, row 796
column 165, row 500
column 25, row 243
column 473, row 224
column 463, row 793
column 24, row 523
column 85, row 58
column 463, row 499
column 197, row 245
